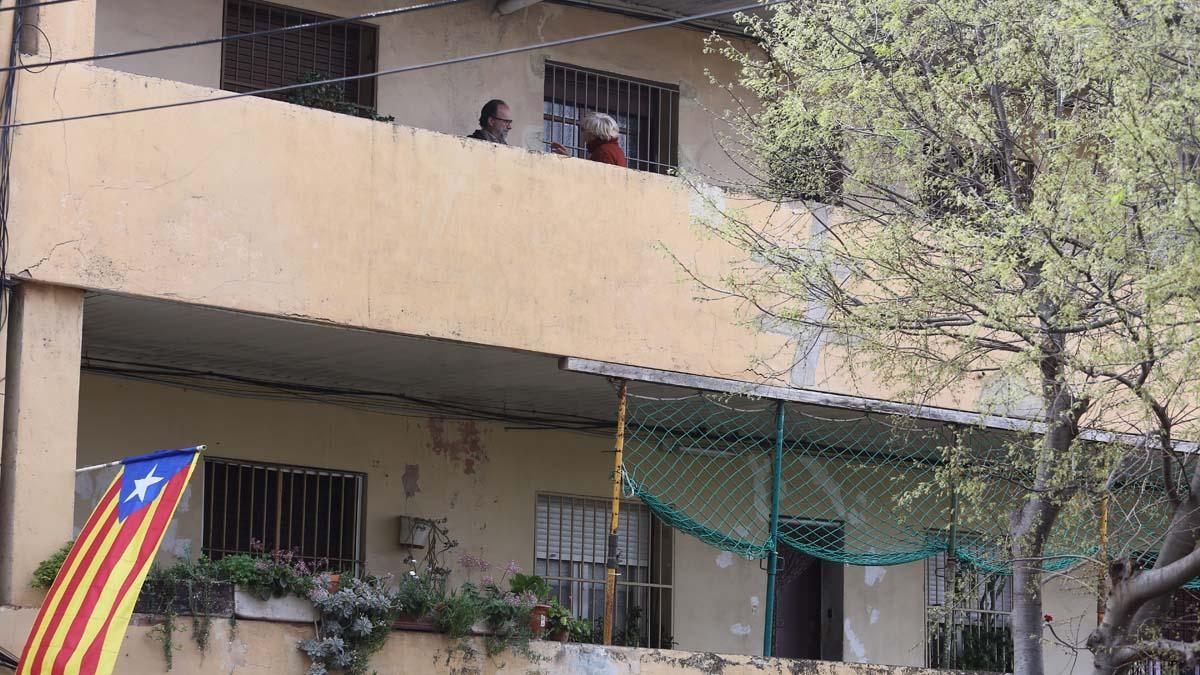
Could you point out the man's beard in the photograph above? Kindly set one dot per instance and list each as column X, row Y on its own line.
column 502, row 134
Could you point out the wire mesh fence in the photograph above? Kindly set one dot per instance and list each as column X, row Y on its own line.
column 703, row 462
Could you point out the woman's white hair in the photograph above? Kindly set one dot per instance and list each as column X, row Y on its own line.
column 601, row 126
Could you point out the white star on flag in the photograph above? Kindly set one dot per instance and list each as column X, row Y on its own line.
column 141, row 484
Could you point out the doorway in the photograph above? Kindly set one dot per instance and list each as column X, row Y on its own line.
column 808, row 595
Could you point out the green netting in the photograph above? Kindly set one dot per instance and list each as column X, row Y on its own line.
column 854, row 488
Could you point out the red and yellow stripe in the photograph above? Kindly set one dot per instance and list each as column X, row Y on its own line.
column 83, row 620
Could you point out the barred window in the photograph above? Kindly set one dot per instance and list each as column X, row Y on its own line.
column 317, row 513
column 570, row 553
column 968, row 620
column 296, row 56
column 647, row 113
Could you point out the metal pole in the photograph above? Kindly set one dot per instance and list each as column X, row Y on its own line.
column 951, row 572
column 1102, row 572
column 97, row 467
column 773, row 536
column 610, row 581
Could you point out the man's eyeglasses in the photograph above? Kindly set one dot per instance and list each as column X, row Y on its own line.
column 501, row 119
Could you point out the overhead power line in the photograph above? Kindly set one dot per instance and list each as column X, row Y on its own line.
column 405, row 69
column 231, row 38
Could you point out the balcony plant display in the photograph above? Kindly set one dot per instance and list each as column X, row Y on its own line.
column 353, row 623
column 419, row 597
column 506, row 618
column 273, row 586
column 332, row 97
column 536, row 590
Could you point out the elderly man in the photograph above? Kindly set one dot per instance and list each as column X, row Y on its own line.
column 494, row 122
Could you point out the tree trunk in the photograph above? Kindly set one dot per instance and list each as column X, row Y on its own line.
column 1030, row 526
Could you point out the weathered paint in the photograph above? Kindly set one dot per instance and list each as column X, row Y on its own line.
column 41, row 405
column 262, row 648
column 490, row 511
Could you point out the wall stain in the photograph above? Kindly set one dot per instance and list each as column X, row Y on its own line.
column 467, row 450
column 412, row 474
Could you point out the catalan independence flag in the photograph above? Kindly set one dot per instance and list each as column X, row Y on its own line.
column 87, row 610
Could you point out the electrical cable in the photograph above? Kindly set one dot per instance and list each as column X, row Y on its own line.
column 239, row 36
column 7, row 105
column 33, row 5
column 358, row 399
column 403, row 69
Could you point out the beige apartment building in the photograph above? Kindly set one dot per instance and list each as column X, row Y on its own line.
column 366, row 319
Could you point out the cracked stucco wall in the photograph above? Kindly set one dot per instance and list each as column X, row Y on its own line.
column 477, row 475
column 260, row 648
column 486, row 490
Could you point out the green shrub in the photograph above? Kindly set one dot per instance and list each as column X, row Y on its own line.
column 420, row 596
column 530, row 584
column 459, row 611
column 47, row 570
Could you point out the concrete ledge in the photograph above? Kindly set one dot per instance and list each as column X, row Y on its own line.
column 257, row 647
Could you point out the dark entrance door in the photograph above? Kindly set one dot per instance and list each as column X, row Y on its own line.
column 808, row 598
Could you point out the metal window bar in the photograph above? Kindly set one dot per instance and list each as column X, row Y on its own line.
column 570, row 553
column 270, row 503
column 976, row 620
column 272, row 61
column 646, row 113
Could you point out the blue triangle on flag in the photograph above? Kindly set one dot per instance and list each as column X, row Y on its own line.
column 146, row 476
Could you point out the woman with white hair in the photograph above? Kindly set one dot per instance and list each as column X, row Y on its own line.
column 600, row 134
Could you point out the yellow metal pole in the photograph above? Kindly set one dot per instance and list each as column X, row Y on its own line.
column 1102, row 573
column 610, row 582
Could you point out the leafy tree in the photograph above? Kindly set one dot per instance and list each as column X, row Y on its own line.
column 1015, row 197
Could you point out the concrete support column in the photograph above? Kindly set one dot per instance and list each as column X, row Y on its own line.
column 41, row 420
column 69, row 30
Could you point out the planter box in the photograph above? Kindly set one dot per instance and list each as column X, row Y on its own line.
column 288, row 608
column 419, row 625
column 183, row 598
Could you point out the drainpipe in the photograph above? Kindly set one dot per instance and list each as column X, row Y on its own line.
column 505, row 7
column 773, row 536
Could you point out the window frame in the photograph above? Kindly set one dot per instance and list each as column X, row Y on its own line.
column 661, row 544
column 983, row 618
column 359, row 533
column 659, row 125
column 369, row 44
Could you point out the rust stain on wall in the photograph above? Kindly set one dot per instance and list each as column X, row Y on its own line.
column 465, row 450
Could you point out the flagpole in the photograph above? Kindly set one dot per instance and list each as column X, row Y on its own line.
column 96, row 467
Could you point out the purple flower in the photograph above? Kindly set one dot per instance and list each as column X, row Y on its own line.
column 484, row 565
column 468, row 561
column 489, row 580
column 512, row 567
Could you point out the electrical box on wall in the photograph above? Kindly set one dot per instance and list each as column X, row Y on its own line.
column 414, row 532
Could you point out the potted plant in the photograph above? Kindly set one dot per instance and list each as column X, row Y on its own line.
column 535, row 590
column 419, row 598
column 460, row 613
column 558, row 622
column 273, row 587
column 353, row 623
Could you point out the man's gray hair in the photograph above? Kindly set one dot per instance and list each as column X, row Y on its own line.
column 601, row 126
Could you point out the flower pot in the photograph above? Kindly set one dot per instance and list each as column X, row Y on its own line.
column 288, row 608
column 559, row 635
column 335, row 581
column 537, row 619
